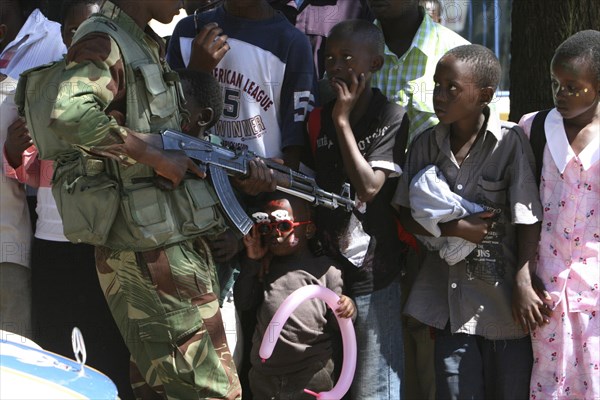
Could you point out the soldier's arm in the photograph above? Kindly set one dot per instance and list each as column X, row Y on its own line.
column 95, row 83
column 94, row 80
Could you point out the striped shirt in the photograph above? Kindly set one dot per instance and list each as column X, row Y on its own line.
column 38, row 42
column 408, row 80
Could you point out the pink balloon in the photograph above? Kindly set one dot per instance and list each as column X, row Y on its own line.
column 346, row 328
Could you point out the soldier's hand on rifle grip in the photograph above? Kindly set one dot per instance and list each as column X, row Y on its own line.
column 260, row 179
column 173, row 166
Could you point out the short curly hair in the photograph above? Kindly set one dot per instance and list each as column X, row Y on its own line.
column 584, row 45
column 484, row 63
column 363, row 29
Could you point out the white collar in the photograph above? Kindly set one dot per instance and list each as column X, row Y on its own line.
column 559, row 146
column 493, row 126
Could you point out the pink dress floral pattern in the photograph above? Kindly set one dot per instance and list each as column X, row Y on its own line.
column 566, row 351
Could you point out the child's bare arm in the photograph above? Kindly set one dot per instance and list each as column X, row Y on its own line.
column 409, row 223
column 473, row 227
column 528, row 307
column 366, row 180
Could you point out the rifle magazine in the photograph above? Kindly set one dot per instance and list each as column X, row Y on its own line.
column 229, row 203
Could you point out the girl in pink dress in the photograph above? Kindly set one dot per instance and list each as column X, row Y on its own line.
column 566, row 347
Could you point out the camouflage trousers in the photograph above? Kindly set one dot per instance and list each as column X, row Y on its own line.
column 165, row 304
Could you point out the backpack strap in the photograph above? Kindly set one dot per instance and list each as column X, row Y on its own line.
column 537, row 139
column 314, row 129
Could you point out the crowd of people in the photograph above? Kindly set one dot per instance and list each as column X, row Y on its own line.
column 469, row 264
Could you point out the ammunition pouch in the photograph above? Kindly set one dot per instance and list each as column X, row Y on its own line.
column 105, row 204
column 87, row 198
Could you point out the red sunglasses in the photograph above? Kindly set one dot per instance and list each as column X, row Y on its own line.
column 285, row 226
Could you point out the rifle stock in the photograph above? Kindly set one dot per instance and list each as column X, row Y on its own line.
column 220, row 160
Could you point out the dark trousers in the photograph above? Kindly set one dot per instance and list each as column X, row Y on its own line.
column 317, row 377
column 472, row 367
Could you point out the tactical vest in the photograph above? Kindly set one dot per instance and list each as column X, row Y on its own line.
column 103, row 202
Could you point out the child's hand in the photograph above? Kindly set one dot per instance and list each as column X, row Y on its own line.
column 528, row 310
column 346, row 307
column 528, row 307
column 347, row 96
column 475, row 226
column 540, row 288
column 255, row 248
column 17, row 141
column 208, row 48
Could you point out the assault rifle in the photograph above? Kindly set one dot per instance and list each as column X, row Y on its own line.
column 221, row 161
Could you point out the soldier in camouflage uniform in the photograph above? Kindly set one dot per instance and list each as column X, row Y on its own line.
column 163, row 297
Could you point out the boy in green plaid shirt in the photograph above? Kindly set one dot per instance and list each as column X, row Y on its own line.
column 414, row 45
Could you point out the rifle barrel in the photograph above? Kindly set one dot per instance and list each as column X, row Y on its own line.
column 235, row 163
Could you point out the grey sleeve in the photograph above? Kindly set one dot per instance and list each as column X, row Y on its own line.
column 524, row 193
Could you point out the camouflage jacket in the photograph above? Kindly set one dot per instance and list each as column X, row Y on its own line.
column 104, row 197
column 91, row 110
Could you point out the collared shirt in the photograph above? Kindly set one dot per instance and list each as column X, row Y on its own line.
column 38, row 42
column 475, row 294
column 569, row 252
column 408, row 80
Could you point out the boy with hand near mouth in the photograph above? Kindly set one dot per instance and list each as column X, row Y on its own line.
column 357, row 142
